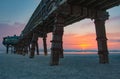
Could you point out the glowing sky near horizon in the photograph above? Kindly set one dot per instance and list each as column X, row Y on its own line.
column 14, row 14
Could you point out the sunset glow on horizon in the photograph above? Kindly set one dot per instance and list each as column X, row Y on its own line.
column 80, row 35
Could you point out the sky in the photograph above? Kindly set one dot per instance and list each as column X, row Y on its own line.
column 14, row 15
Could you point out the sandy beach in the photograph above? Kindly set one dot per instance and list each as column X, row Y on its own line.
column 71, row 67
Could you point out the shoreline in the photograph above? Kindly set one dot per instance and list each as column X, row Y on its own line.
column 70, row 53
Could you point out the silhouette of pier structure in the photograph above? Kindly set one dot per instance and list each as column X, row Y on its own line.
column 10, row 42
column 54, row 15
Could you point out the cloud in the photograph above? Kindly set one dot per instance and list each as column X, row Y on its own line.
column 4, row 21
column 114, row 40
column 77, row 41
column 115, row 18
column 88, row 41
column 37, row 0
column 70, row 41
column 10, row 30
column 111, row 19
column 113, row 35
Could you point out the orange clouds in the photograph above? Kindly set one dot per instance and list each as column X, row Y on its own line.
column 76, row 41
column 113, row 40
column 84, row 42
column 88, row 41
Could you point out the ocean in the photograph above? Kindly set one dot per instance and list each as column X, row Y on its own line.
column 76, row 52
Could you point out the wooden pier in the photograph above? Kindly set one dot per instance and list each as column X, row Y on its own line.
column 53, row 16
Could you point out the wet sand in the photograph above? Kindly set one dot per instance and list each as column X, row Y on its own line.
column 71, row 67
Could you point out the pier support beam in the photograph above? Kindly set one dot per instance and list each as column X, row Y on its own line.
column 12, row 49
column 27, row 41
column 37, row 47
column 7, row 49
column 16, row 49
column 101, row 37
column 19, row 49
column 45, row 44
column 57, row 48
column 33, row 45
column 25, row 50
